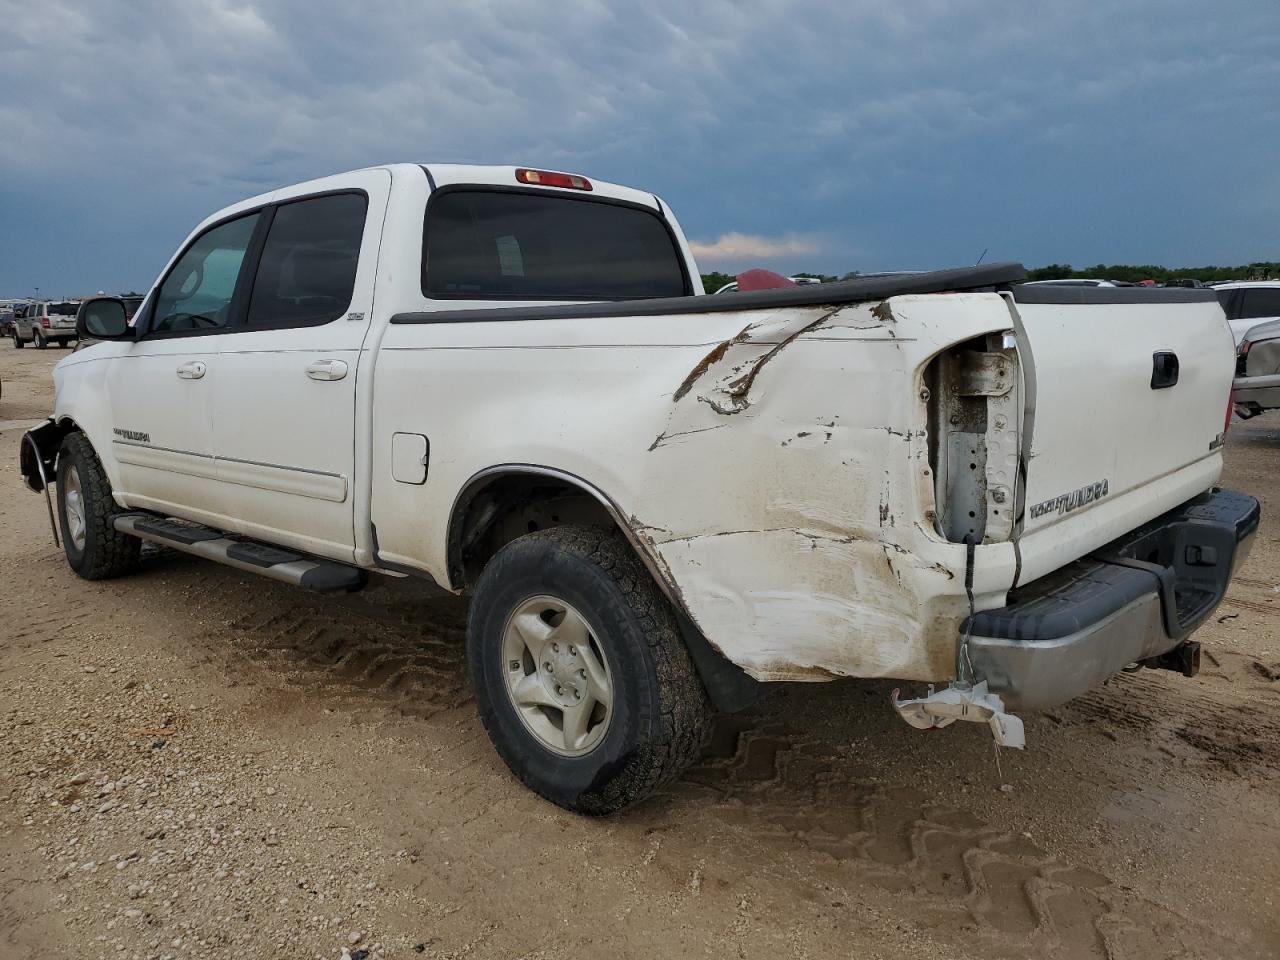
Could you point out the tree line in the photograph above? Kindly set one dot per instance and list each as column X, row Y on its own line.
column 1262, row 270
column 1134, row 273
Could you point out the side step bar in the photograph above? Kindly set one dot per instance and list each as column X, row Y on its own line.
column 323, row 576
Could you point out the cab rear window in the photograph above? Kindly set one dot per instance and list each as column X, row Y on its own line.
column 492, row 245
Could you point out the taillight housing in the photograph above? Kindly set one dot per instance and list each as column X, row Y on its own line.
column 548, row 178
column 973, row 397
column 44, row 322
column 1242, row 358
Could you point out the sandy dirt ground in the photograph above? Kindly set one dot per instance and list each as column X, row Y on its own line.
column 199, row 763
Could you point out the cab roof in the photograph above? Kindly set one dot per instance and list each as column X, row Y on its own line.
column 452, row 174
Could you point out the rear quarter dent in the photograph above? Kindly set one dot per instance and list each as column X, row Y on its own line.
column 812, row 555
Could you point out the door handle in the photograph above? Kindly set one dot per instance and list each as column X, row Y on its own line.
column 1164, row 369
column 326, row 370
column 192, row 370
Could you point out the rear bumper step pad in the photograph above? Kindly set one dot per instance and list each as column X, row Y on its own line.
column 323, row 576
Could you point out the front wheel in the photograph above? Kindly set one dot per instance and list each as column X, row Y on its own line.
column 17, row 341
column 94, row 548
column 583, row 682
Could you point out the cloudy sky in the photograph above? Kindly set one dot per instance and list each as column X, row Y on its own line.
column 833, row 136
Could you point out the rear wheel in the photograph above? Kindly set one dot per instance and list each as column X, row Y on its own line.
column 582, row 679
column 38, row 338
column 94, row 548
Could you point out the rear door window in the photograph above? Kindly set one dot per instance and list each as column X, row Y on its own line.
column 508, row 245
column 1257, row 302
column 307, row 273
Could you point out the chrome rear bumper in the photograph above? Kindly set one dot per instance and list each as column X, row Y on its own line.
column 1135, row 599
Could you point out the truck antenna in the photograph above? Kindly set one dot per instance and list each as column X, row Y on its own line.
column 984, row 254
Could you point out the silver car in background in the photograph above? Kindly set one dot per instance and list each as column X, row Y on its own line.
column 1253, row 310
column 44, row 322
column 7, row 309
column 1257, row 384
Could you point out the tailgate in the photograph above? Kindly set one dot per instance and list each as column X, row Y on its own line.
column 1106, row 411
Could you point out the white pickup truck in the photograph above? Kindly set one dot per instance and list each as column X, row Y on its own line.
column 508, row 381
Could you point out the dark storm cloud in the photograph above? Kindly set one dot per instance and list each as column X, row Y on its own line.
column 831, row 136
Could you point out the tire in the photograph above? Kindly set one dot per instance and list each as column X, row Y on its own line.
column 94, row 548
column 658, row 713
column 38, row 339
column 62, row 344
column 17, row 341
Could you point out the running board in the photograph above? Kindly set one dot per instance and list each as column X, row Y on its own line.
column 323, row 576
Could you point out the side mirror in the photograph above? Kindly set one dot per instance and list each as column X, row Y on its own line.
column 103, row 318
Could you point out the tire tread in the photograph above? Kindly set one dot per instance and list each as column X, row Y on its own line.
column 107, row 553
column 683, row 713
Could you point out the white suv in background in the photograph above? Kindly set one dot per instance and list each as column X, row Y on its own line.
column 1248, row 303
column 1079, row 282
column 44, row 323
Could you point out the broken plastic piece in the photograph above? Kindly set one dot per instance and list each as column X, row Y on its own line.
column 962, row 701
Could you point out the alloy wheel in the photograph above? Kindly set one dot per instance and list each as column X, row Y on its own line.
column 557, row 676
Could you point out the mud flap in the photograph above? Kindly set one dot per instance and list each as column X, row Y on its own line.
column 962, row 701
column 38, row 454
column 39, row 478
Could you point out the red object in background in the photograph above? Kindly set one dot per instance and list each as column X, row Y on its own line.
column 762, row 280
column 1146, row 283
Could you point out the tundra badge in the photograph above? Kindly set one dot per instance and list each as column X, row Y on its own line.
column 1070, row 501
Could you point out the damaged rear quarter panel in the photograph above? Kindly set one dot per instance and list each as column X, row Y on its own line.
column 772, row 463
column 797, row 535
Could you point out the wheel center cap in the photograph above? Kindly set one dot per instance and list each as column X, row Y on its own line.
column 564, row 674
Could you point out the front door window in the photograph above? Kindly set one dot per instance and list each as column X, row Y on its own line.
column 197, row 293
